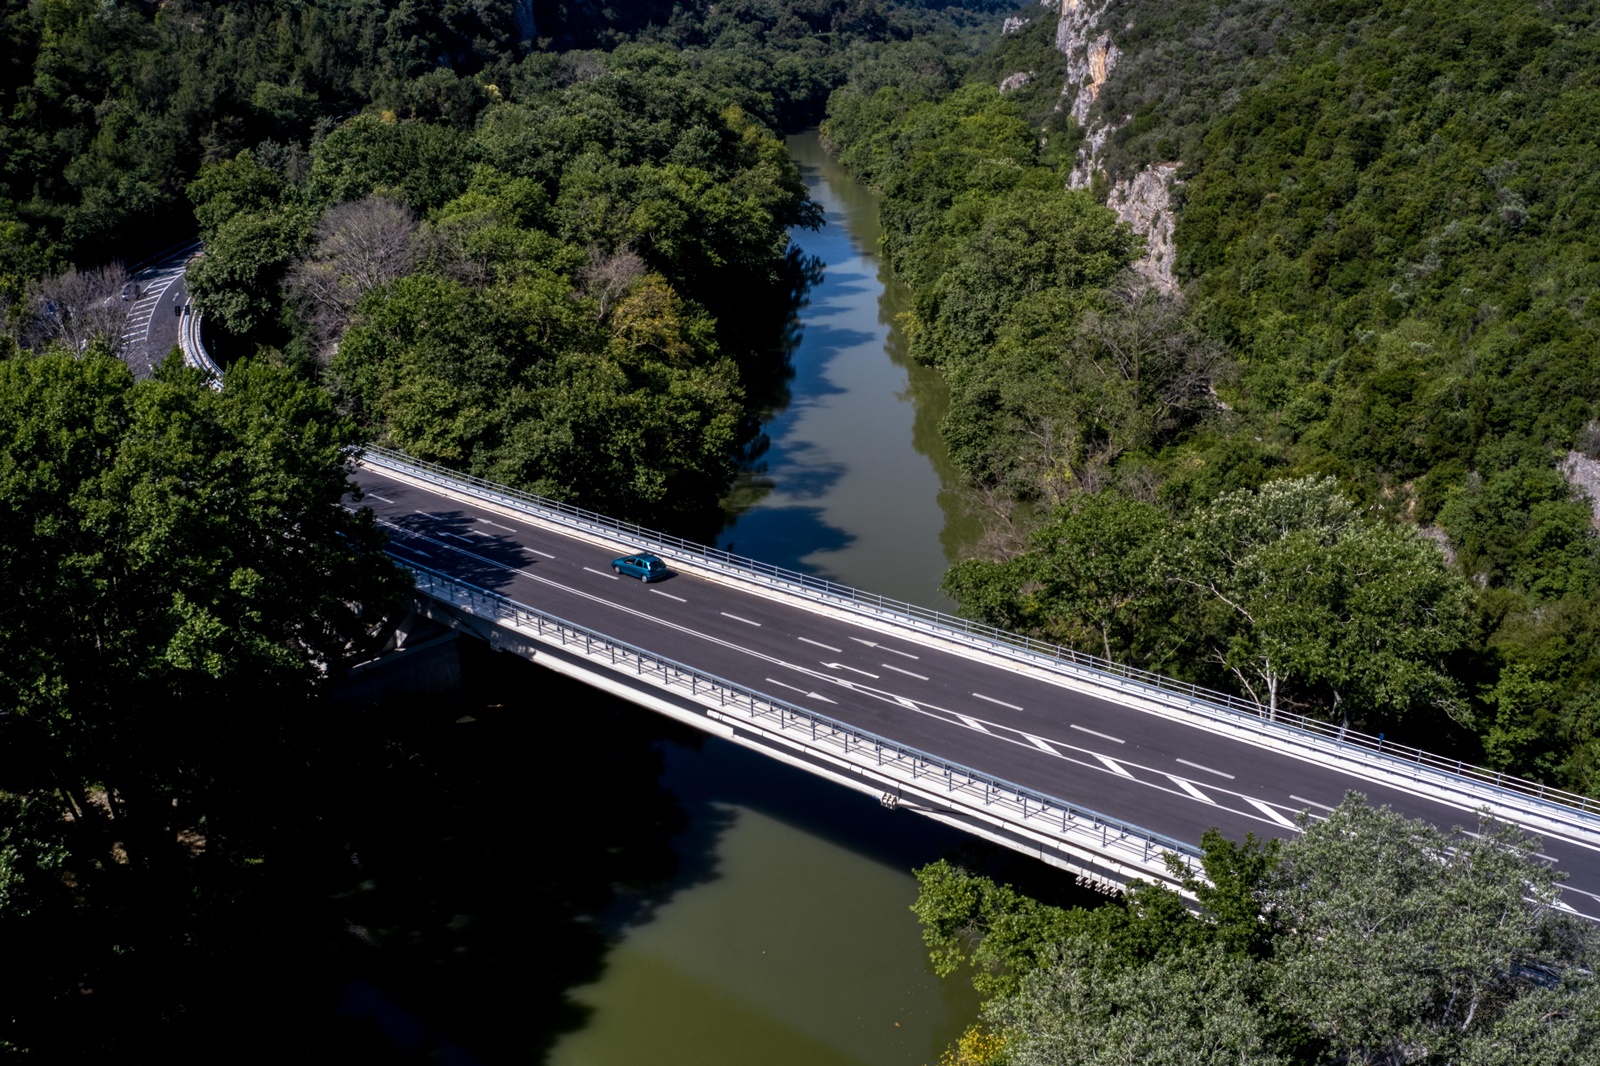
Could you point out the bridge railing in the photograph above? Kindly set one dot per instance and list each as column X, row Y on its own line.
column 1170, row 691
column 1028, row 808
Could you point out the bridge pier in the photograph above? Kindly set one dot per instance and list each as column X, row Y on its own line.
column 421, row 659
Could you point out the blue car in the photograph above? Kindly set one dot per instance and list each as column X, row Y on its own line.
column 643, row 566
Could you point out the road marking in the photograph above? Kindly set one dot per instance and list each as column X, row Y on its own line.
column 1102, row 736
column 973, row 723
column 1040, row 744
column 808, row 695
column 1114, row 766
column 602, row 573
column 524, row 573
column 853, row 670
column 991, row 699
column 1270, row 813
column 669, row 596
column 1312, row 803
column 1209, row 770
column 485, row 521
column 1536, row 854
column 458, row 536
column 884, row 647
column 1195, row 792
column 819, row 644
column 736, row 618
column 908, row 673
column 547, row 555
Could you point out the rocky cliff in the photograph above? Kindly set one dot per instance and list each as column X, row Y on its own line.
column 1143, row 200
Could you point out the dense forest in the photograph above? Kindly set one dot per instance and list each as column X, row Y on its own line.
column 547, row 242
column 1321, row 468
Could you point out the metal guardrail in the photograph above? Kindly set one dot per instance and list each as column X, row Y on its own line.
column 1033, row 810
column 1182, row 695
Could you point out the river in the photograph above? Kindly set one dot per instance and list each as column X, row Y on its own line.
column 798, row 945
column 698, row 904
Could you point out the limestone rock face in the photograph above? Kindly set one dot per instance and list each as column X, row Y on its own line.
column 1144, row 202
column 1015, row 81
column 1584, row 474
column 1013, row 24
column 1090, row 54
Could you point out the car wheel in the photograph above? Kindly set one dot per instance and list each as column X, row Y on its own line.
column 644, row 577
column 616, row 569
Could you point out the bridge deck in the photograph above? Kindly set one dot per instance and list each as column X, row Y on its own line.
column 1170, row 776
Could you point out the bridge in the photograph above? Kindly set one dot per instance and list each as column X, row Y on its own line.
column 1090, row 766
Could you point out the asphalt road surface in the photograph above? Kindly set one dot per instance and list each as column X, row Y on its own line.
column 1167, row 776
column 152, row 328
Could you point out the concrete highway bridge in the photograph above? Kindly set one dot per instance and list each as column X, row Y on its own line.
column 1084, row 764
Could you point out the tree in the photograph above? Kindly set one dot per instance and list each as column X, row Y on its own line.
column 182, row 576
column 80, row 308
column 1193, row 1008
column 1401, row 942
column 1093, row 578
column 358, row 246
column 1302, row 593
column 239, row 276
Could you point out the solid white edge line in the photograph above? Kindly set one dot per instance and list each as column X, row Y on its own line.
column 1209, row 770
column 1092, row 733
column 908, row 673
column 602, row 573
column 1001, row 703
column 669, row 596
column 819, row 644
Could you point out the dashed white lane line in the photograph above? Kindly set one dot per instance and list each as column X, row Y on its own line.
column 884, row 647
column 999, row 703
column 1270, row 812
column 819, row 644
column 385, row 499
column 1195, row 792
column 736, row 618
column 458, row 536
column 547, row 555
column 1102, row 736
column 853, row 670
column 485, row 521
column 1207, row 769
column 669, row 596
column 908, row 673
column 602, row 573
column 970, row 723
column 1310, row 803
column 1114, row 766
column 1042, row 745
